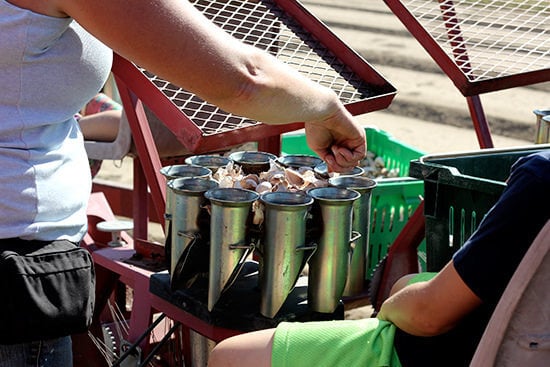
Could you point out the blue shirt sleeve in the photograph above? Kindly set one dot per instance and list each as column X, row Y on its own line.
column 490, row 257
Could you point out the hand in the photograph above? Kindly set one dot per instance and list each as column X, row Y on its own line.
column 338, row 140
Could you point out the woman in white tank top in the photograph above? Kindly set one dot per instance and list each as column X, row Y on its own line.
column 53, row 59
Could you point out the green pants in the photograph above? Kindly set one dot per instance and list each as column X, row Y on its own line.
column 346, row 343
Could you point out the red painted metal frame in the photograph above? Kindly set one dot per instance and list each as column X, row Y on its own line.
column 479, row 120
column 452, row 69
column 114, row 261
column 351, row 58
column 456, row 70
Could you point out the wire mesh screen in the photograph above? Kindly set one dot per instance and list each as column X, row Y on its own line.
column 488, row 39
column 263, row 24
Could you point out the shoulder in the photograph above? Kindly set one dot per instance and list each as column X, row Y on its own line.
column 538, row 164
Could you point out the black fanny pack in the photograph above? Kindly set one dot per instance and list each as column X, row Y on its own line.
column 47, row 290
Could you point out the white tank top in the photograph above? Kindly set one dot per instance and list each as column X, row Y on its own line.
column 49, row 68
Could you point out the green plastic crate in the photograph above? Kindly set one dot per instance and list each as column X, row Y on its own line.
column 459, row 189
column 392, row 201
column 392, row 204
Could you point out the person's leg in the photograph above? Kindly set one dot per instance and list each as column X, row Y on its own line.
column 56, row 353
column 250, row 349
column 339, row 343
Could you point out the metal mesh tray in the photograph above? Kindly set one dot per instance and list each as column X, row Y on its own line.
column 482, row 46
column 290, row 33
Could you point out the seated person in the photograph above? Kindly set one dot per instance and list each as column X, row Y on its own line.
column 433, row 322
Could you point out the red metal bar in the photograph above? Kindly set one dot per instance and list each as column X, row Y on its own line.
column 455, row 36
column 429, row 44
column 149, row 174
column 142, row 310
column 271, row 145
column 479, row 120
column 460, row 55
column 140, row 207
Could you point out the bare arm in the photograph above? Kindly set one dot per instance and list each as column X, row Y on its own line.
column 175, row 41
column 432, row 307
column 102, row 126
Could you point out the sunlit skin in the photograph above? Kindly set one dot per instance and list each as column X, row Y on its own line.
column 102, row 126
column 432, row 307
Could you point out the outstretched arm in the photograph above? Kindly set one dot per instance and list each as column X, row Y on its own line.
column 172, row 39
column 432, row 307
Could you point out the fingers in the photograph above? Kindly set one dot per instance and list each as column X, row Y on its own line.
column 343, row 155
column 339, row 141
column 342, row 159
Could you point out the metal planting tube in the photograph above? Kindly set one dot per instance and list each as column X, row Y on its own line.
column 284, row 252
column 179, row 171
column 230, row 217
column 329, row 266
column 542, row 126
column 188, row 203
column 355, row 283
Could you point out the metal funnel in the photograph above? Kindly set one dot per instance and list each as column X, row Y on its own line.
column 171, row 173
column 180, row 171
column 329, row 266
column 252, row 161
column 231, row 216
column 212, row 162
column 284, row 251
column 542, row 129
column 187, row 201
column 355, row 283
